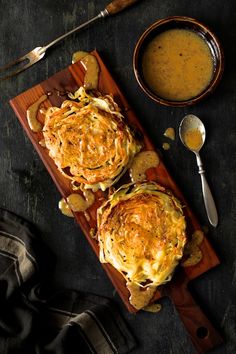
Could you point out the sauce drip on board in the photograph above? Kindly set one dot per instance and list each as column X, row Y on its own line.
column 79, row 203
column 32, row 112
column 140, row 297
column 64, row 208
column 192, row 249
column 141, row 163
column 193, row 139
column 177, row 65
column 78, row 56
column 91, row 66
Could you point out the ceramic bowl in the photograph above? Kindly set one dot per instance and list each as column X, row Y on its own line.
column 179, row 22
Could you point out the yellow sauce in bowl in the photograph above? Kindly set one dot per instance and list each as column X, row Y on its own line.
column 177, row 65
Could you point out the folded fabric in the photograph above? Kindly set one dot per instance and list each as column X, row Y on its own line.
column 33, row 322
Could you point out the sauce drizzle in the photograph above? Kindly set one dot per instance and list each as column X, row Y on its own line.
column 32, row 112
column 140, row 297
column 78, row 203
column 64, row 208
column 192, row 249
column 141, row 163
column 91, row 66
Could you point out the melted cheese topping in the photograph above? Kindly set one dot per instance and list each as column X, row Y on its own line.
column 141, row 232
column 89, row 141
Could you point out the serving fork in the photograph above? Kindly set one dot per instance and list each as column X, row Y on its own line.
column 38, row 53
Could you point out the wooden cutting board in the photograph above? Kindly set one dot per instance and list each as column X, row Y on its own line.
column 202, row 333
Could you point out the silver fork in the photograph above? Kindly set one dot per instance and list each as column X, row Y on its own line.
column 38, row 53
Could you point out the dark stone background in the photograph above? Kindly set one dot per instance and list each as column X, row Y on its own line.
column 27, row 189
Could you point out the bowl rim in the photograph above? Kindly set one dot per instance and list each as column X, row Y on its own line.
column 216, row 76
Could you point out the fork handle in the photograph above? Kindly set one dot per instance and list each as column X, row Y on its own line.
column 118, row 5
column 111, row 9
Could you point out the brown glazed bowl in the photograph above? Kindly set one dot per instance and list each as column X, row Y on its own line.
column 182, row 23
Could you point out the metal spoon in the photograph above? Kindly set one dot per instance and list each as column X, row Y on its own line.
column 191, row 122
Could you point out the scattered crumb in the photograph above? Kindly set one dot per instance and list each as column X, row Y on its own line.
column 42, row 143
column 92, row 232
column 87, row 216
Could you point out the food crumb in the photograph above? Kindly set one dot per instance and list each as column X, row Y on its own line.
column 42, row 143
column 92, row 232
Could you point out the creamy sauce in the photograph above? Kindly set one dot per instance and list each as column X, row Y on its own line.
column 32, row 112
column 91, row 66
column 170, row 133
column 42, row 143
column 178, row 65
column 197, row 237
column 141, row 163
column 165, row 146
column 79, row 203
column 194, row 258
column 192, row 250
column 64, row 208
column 78, row 56
column 193, row 139
column 153, row 308
column 140, row 297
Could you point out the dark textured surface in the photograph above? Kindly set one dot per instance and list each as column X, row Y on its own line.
column 27, row 189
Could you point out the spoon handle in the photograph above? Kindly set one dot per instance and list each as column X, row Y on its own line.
column 207, row 196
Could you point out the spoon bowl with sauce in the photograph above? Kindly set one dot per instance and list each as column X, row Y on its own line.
column 193, row 134
column 178, row 61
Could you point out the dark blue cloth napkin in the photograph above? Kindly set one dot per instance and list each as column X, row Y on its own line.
column 34, row 322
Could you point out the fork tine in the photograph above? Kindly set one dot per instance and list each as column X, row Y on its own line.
column 17, row 71
column 14, row 62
